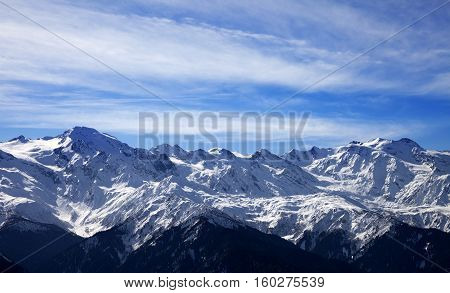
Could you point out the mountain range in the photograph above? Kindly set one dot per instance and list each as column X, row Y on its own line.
column 83, row 201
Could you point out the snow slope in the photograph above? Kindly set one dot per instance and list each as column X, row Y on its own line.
column 86, row 182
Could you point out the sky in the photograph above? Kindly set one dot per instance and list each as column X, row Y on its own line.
column 100, row 63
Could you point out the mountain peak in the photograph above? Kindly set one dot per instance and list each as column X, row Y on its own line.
column 405, row 148
column 403, row 145
column 298, row 157
column 265, row 154
column 169, row 150
column 84, row 136
column 409, row 142
column 294, row 152
column 20, row 138
column 87, row 134
column 377, row 142
column 81, row 132
column 382, row 143
column 358, row 142
column 221, row 152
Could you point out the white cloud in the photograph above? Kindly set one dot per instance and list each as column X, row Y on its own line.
column 439, row 85
column 157, row 49
column 161, row 53
column 282, row 43
column 119, row 117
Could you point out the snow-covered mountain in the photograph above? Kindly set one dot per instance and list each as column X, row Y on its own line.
column 85, row 182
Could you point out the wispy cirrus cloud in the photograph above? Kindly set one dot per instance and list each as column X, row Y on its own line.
column 215, row 55
column 148, row 48
column 122, row 118
column 154, row 49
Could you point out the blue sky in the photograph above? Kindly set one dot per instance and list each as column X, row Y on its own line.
column 228, row 56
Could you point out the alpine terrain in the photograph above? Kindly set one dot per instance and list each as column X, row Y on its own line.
column 85, row 202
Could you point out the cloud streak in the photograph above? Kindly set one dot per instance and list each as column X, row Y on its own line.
column 119, row 116
column 215, row 55
column 156, row 49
